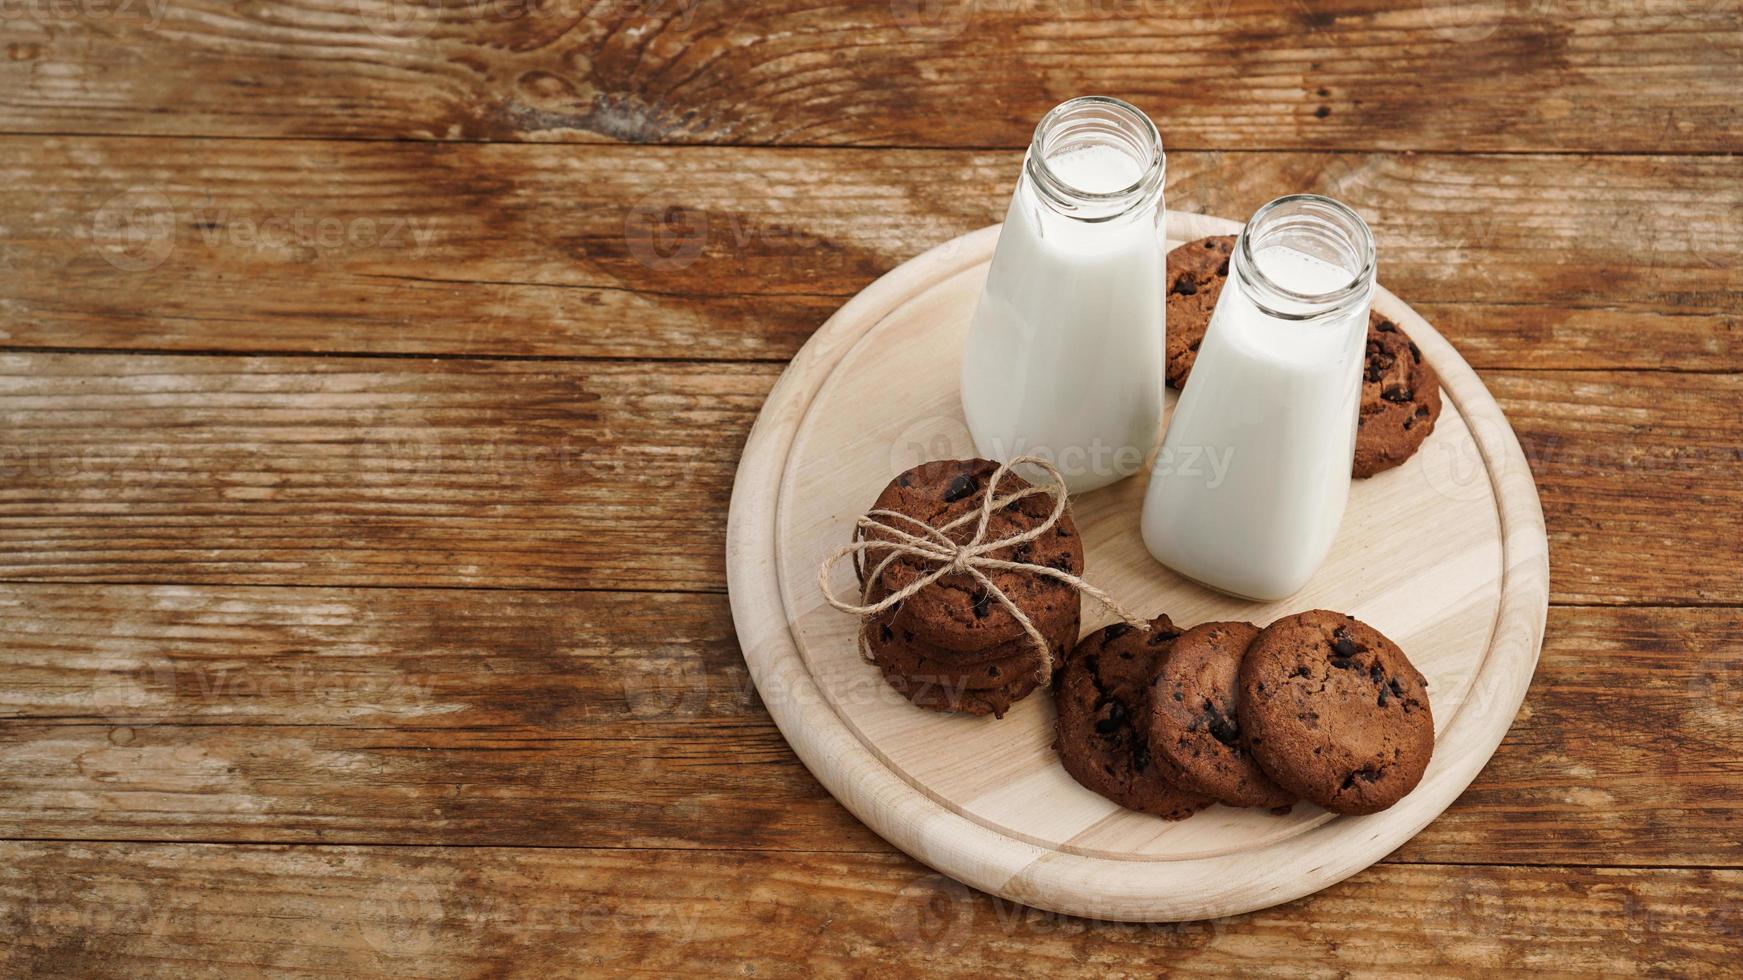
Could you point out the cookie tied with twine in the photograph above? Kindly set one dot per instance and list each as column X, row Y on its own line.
column 966, row 564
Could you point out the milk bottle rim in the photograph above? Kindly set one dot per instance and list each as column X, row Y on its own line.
column 1329, row 225
column 1096, row 120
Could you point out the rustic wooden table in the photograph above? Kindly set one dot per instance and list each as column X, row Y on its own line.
column 374, row 374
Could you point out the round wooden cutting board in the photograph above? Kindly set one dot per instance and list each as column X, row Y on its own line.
column 1446, row 554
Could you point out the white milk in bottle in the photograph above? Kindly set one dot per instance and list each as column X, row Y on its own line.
column 1064, row 355
column 1250, row 485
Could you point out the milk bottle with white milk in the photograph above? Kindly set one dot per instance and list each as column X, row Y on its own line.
column 1249, row 487
column 1064, row 355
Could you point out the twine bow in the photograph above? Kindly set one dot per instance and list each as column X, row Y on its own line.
column 933, row 545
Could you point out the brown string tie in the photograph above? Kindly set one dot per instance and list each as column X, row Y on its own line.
column 932, row 545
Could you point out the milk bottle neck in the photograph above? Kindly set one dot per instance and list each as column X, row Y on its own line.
column 1095, row 160
column 1305, row 258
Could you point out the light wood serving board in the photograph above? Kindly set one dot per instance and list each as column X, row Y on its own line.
column 1446, row 554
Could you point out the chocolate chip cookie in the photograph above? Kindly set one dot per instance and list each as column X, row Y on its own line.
column 1103, row 701
column 1195, row 733
column 939, row 696
column 897, row 649
column 1400, row 399
column 1334, row 712
column 956, row 612
column 1196, row 272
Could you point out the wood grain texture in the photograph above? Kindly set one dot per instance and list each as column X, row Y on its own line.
column 1634, row 722
column 463, row 717
column 200, row 245
column 228, row 712
column 1610, row 450
column 616, row 720
column 628, row 720
column 190, row 911
column 1605, row 75
column 345, row 471
column 371, row 472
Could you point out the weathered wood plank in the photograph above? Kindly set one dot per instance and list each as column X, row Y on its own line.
column 466, row 717
column 330, row 471
column 181, row 910
column 201, row 245
column 1603, row 75
column 1632, row 469
column 628, row 720
column 316, row 471
column 1629, row 739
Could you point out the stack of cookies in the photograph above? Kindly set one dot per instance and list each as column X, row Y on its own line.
column 1318, row 706
column 1400, row 391
column 953, row 646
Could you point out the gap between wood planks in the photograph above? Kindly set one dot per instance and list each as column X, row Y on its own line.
column 870, row 147
column 676, row 590
column 1391, row 859
column 598, row 359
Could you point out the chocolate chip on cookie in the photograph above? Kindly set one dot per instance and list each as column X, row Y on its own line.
column 897, row 649
column 1400, row 399
column 1334, row 712
column 1196, row 272
column 1103, row 702
column 944, row 696
column 956, row 612
column 1194, row 730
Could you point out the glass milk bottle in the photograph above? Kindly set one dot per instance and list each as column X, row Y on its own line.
column 1064, row 355
column 1249, row 487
